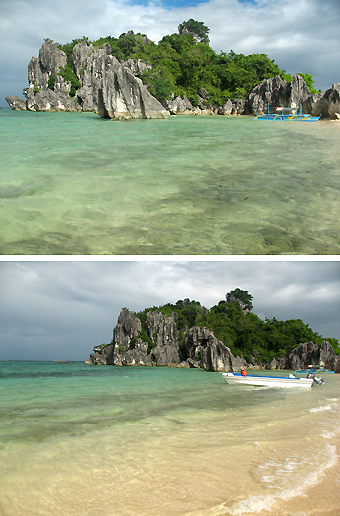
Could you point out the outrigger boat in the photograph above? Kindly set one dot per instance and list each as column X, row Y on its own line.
column 287, row 114
column 313, row 369
column 290, row 381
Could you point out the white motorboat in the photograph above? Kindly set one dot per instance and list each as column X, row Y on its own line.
column 268, row 381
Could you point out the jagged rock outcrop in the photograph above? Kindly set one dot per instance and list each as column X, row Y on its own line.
column 179, row 106
column 159, row 345
column 327, row 104
column 156, row 342
column 277, row 363
column 136, row 66
column 277, row 92
column 130, row 346
column 310, row 353
column 107, row 86
column 113, row 89
column 16, row 103
column 115, row 92
column 164, row 333
column 206, row 351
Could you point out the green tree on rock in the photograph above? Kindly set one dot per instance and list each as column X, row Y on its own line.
column 240, row 296
column 196, row 28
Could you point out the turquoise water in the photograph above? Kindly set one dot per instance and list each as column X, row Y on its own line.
column 110, row 441
column 75, row 184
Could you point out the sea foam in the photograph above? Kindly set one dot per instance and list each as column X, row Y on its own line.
column 257, row 504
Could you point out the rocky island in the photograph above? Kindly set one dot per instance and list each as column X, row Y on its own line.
column 131, row 77
column 173, row 335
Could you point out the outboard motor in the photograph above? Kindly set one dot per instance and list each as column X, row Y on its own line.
column 316, row 379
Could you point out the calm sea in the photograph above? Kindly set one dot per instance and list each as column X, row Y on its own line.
column 75, row 184
column 83, row 440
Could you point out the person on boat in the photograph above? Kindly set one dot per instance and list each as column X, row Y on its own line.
column 243, row 372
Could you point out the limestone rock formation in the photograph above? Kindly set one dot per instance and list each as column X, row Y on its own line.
column 179, row 106
column 136, row 66
column 158, row 345
column 163, row 331
column 310, row 353
column 117, row 92
column 108, row 87
column 130, row 346
column 16, row 103
column 328, row 103
column 206, row 351
column 277, row 92
column 114, row 90
column 156, row 342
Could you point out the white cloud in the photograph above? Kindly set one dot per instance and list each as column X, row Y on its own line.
column 300, row 35
column 58, row 310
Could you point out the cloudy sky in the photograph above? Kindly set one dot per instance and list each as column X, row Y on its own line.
column 59, row 310
column 300, row 35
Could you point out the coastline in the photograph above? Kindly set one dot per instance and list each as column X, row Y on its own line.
column 152, row 441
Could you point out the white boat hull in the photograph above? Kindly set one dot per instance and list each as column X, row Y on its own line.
column 268, row 381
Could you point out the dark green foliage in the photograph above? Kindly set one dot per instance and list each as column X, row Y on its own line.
column 335, row 345
column 184, row 64
column 245, row 334
column 310, row 82
column 68, row 75
column 242, row 297
column 197, row 29
column 51, row 81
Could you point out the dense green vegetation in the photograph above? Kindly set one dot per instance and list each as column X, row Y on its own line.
column 240, row 329
column 184, row 64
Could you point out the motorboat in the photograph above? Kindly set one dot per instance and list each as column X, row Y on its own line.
column 290, row 381
column 287, row 114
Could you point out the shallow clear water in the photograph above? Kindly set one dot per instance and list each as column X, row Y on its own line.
column 75, row 184
column 106, row 440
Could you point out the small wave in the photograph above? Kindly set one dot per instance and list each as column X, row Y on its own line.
column 321, row 409
column 328, row 435
column 258, row 504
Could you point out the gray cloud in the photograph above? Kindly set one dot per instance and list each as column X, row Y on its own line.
column 300, row 35
column 60, row 310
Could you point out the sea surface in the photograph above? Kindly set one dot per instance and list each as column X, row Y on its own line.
column 75, row 184
column 84, row 440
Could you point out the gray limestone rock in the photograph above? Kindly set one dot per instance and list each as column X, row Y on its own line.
column 166, row 350
column 226, row 109
column 39, row 96
column 51, row 58
column 80, row 54
column 108, row 87
column 113, row 92
column 310, row 353
column 16, row 103
column 49, row 100
column 270, row 91
column 205, row 350
column 179, row 106
column 328, row 103
column 136, row 66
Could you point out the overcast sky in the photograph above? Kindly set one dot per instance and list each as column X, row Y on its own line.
column 300, row 35
column 60, row 310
